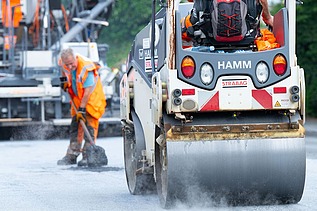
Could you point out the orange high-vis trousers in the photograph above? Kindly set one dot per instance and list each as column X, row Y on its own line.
column 77, row 135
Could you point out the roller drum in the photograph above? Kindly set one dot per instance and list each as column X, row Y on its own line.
column 253, row 171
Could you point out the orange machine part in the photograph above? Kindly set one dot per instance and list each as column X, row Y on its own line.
column 7, row 13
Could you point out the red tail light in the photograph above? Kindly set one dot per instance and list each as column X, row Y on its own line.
column 188, row 91
column 188, row 67
column 279, row 65
column 279, row 90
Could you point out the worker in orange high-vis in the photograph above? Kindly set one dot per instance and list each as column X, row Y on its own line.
column 81, row 80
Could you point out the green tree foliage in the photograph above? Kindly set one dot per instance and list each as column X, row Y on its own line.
column 307, row 51
column 127, row 19
column 276, row 7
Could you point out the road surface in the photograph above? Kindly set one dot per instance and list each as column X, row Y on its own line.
column 31, row 180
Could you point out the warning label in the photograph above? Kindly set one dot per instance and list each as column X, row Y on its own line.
column 277, row 104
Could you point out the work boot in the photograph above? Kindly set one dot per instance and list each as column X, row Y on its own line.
column 67, row 160
column 84, row 161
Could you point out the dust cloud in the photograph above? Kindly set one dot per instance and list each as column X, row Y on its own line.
column 38, row 132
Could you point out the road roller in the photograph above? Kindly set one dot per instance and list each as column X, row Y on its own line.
column 218, row 121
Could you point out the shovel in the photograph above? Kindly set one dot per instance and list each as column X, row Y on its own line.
column 96, row 155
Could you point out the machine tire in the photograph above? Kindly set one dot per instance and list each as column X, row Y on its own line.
column 161, row 171
column 134, row 143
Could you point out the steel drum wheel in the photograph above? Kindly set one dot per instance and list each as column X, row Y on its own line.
column 273, row 174
column 162, row 177
column 130, row 162
column 138, row 183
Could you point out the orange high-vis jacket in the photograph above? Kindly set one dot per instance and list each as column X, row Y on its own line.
column 7, row 14
column 267, row 41
column 185, row 22
column 97, row 101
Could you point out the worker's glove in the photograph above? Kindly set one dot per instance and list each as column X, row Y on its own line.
column 64, row 83
column 81, row 114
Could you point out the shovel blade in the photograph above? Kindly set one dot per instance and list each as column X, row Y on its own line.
column 96, row 156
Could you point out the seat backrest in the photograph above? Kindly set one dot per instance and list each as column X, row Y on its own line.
column 228, row 22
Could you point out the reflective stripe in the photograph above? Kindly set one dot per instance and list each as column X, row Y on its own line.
column 82, row 73
column 94, row 86
column 83, row 70
column 90, row 79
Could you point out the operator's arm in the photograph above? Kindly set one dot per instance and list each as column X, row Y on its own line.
column 266, row 15
column 86, row 96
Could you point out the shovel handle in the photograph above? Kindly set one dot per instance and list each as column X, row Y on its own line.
column 83, row 125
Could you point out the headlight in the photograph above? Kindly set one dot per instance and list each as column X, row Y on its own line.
column 206, row 73
column 262, row 72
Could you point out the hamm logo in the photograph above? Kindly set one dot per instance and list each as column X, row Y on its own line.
column 224, row 65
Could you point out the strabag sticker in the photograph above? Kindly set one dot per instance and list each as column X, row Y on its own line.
column 234, row 83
